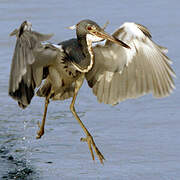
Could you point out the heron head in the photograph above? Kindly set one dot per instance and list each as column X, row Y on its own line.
column 94, row 32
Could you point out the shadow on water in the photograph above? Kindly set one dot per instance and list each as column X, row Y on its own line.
column 16, row 167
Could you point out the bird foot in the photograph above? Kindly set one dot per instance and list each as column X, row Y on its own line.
column 40, row 132
column 91, row 143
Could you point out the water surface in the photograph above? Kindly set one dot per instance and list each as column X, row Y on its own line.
column 139, row 138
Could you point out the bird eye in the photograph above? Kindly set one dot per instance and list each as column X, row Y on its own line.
column 89, row 28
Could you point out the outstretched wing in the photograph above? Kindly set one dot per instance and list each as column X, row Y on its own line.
column 120, row 73
column 29, row 60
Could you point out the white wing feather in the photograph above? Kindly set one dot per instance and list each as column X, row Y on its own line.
column 120, row 73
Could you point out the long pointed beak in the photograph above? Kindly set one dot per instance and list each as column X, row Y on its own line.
column 104, row 35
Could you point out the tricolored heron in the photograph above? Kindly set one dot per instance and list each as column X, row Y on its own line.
column 127, row 66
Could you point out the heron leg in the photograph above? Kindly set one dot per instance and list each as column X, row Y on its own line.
column 89, row 138
column 41, row 126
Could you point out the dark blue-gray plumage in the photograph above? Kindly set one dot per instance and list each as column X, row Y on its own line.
column 128, row 65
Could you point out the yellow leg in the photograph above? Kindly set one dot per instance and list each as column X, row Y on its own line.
column 89, row 138
column 41, row 126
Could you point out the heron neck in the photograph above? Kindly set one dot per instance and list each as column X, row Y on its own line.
column 87, row 50
column 84, row 46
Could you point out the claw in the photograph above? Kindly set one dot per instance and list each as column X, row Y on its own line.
column 40, row 132
column 91, row 144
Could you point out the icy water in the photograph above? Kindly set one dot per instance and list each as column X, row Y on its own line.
column 140, row 138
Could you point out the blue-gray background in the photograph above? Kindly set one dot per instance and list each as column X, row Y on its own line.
column 140, row 138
